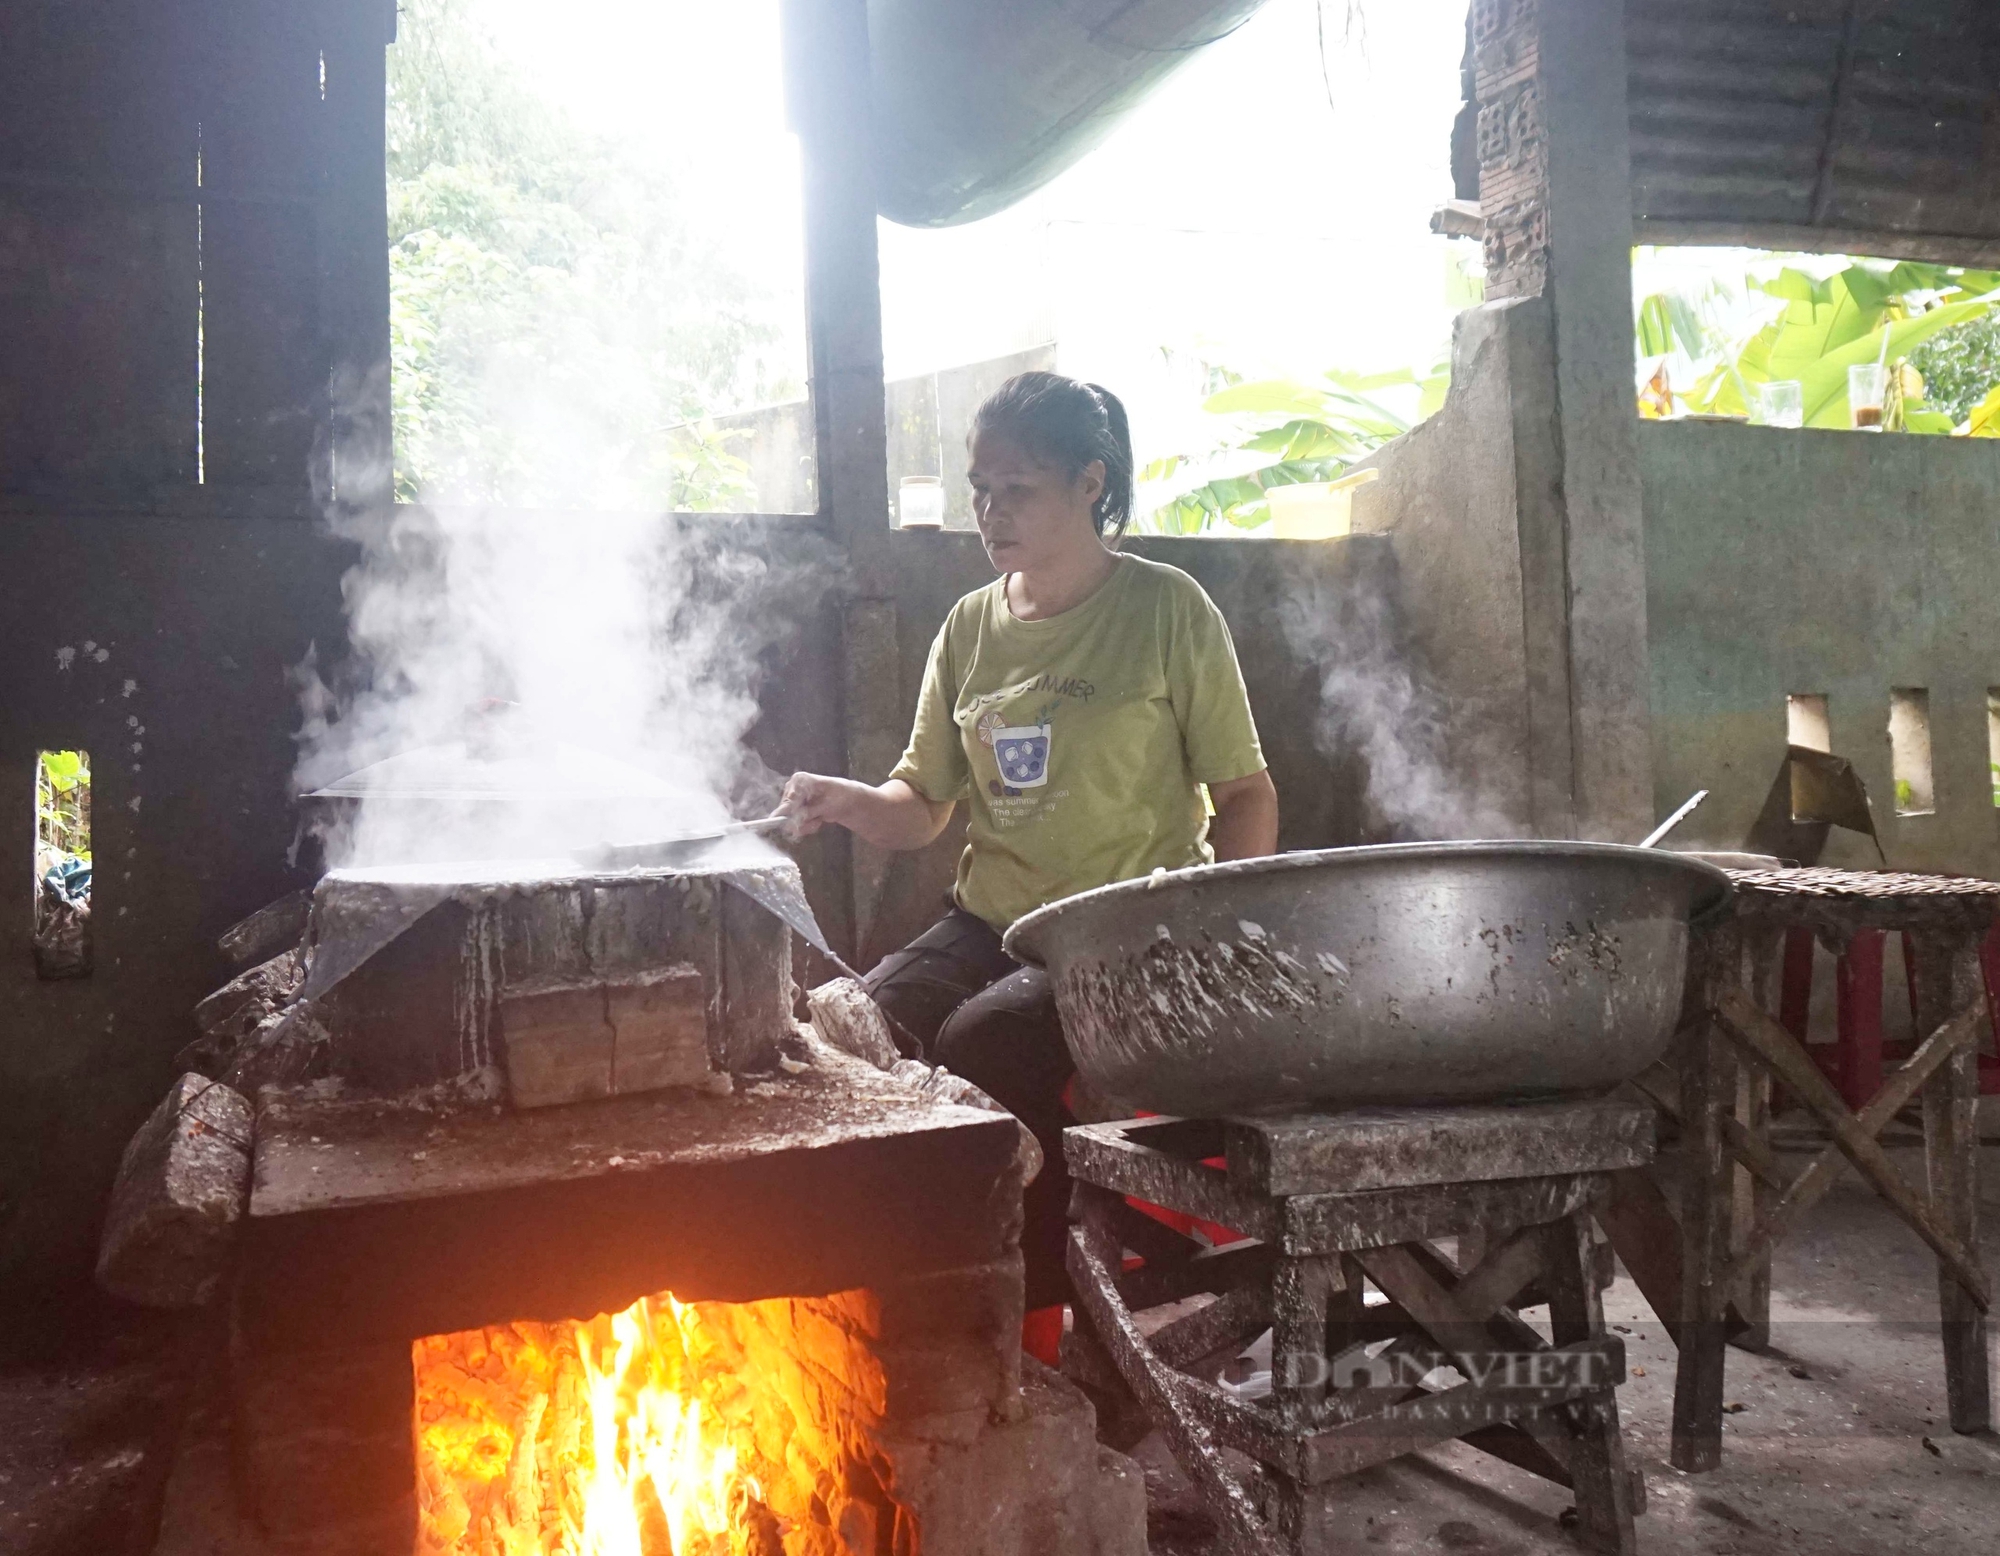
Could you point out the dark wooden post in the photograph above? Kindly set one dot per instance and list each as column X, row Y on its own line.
column 1300, row 1292
column 1602, row 1483
column 1708, row 1079
column 827, row 72
column 1751, row 1199
column 1948, row 980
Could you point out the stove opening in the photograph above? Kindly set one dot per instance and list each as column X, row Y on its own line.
column 668, row 1429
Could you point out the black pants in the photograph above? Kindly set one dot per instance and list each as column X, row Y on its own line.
column 984, row 1016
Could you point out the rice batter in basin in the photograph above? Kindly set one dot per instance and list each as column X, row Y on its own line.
column 1399, row 974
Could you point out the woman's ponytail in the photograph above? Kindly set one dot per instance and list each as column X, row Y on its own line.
column 1114, row 508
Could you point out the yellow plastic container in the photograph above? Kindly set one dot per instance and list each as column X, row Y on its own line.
column 1319, row 510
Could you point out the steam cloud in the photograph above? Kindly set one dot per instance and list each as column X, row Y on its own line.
column 1376, row 704
column 593, row 669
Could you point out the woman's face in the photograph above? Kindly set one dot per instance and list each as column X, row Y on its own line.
column 1030, row 515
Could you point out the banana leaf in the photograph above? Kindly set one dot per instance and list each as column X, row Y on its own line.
column 1668, row 321
column 1306, row 439
column 63, row 769
column 1825, row 381
column 1813, row 329
column 1240, row 500
column 1284, row 397
column 1914, row 275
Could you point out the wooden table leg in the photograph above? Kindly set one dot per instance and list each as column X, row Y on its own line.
column 1094, row 1257
column 1750, row 1199
column 1948, row 978
column 1708, row 1079
column 1597, row 1459
column 1300, row 1288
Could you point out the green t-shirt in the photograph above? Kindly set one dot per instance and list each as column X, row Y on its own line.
column 1081, row 739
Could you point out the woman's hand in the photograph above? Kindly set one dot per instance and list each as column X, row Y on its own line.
column 1246, row 817
column 811, row 801
column 891, row 815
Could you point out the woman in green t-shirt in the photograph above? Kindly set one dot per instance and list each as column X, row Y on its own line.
column 1080, row 703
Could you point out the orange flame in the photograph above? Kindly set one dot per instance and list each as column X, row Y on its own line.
column 669, row 1429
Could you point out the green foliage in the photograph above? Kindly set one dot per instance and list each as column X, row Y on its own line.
column 1961, row 366
column 1669, row 321
column 62, row 803
column 1281, row 432
column 562, row 330
column 1862, row 313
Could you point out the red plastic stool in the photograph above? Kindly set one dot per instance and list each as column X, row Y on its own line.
column 1855, row 1063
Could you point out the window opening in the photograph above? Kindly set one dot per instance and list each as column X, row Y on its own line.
column 1807, row 723
column 596, row 259
column 62, row 864
column 1128, row 270
column 1816, row 340
column 1910, row 750
column 1993, row 741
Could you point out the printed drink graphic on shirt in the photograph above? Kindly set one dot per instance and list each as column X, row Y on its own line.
column 1023, row 753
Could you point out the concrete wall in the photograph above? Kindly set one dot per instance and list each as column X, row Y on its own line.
column 1448, row 503
column 1523, row 649
column 184, row 707
column 126, row 130
column 1828, row 562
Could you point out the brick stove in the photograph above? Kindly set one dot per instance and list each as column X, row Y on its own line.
column 773, row 1308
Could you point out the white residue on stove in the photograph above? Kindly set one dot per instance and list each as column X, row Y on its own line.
column 474, row 995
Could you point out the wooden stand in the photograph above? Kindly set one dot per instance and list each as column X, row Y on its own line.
column 1338, row 1215
column 1739, row 1202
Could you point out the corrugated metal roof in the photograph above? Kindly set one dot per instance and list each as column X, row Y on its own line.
column 1870, row 124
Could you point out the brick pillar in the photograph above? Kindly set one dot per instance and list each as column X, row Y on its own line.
column 1512, row 146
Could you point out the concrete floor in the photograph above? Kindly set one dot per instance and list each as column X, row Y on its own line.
column 91, row 1396
column 1839, row 1447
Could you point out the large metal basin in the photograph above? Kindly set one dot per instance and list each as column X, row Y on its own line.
column 1417, row 972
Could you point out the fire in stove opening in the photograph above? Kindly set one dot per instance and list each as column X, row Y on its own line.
column 668, row 1429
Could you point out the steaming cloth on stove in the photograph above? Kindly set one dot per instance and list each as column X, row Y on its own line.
column 1080, row 740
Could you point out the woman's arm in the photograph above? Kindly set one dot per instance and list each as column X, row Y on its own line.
column 892, row 815
column 1246, row 817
